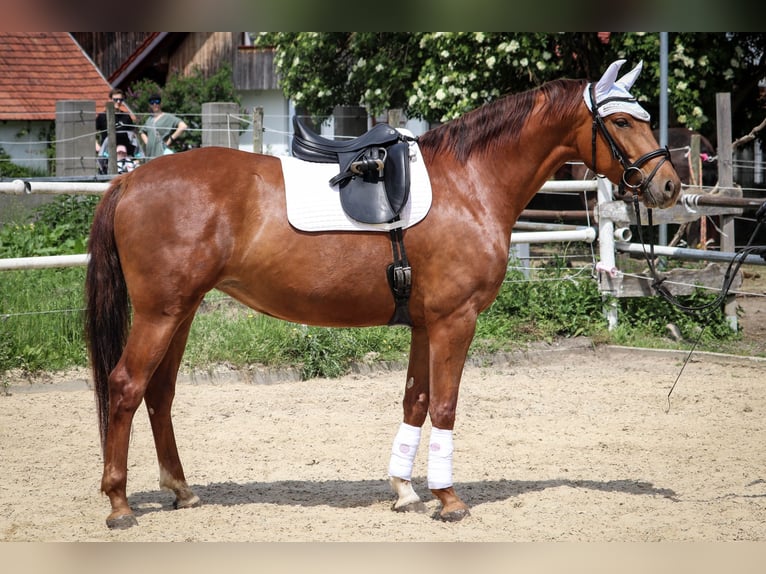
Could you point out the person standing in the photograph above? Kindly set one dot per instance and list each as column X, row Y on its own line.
column 125, row 124
column 161, row 130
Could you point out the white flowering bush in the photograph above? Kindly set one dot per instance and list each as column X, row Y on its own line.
column 462, row 70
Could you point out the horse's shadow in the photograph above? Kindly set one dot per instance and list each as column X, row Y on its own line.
column 363, row 493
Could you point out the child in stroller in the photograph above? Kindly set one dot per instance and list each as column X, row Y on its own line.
column 128, row 152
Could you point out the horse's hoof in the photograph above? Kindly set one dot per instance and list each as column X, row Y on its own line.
column 122, row 522
column 417, row 506
column 452, row 516
column 193, row 502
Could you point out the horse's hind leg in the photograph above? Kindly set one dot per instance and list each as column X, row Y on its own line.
column 415, row 406
column 144, row 350
column 159, row 400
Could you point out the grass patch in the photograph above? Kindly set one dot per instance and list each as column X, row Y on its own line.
column 41, row 319
column 225, row 331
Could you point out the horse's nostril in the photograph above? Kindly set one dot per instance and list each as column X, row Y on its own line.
column 670, row 186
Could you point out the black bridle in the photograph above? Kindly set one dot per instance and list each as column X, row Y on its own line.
column 630, row 170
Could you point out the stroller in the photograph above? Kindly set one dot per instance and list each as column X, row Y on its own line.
column 128, row 151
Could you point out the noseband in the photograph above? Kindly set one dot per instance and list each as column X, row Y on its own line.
column 630, row 171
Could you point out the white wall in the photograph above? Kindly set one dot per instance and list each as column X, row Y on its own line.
column 20, row 140
column 276, row 121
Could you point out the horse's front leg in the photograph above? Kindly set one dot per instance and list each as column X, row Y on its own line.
column 407, row 440
column 449, row 340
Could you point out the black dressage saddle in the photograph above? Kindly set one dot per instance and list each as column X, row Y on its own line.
column 374, row 178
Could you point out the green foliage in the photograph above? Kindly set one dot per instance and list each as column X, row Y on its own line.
column 41, row 319
column 74, row 212
column 183, row 96
column 480, row 67
column 29, row 240
column 559, row 303
column 440, row 75
column 651, row 315
column 234, row 334
column 313, row 68
column 320, row 70
column 40, row 310
column 58, row 228
column 11, row 170
column 323, row 352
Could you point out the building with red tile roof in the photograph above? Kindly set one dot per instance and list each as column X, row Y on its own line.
column 39, row 68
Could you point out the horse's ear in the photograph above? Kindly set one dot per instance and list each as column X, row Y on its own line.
column 628, row 79
column 604, row 85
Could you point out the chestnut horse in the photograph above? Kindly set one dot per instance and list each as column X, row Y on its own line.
column 215, row 218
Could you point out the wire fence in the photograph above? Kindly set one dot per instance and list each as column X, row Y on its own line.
column 585, row 272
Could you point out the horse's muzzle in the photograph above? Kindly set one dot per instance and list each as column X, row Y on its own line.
column 658, row 189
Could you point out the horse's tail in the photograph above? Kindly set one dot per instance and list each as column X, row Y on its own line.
column 107, row 309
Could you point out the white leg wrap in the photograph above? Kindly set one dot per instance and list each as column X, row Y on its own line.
column 403, row 451
column 440, row 459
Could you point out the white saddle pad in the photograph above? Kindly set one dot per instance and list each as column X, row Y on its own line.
column 314, row 205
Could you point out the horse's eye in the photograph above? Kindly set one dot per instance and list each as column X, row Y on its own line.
column 621, row 122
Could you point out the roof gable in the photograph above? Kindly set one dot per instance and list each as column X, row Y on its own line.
column 39, row 68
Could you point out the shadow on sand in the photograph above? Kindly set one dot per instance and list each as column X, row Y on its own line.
column 362, row 493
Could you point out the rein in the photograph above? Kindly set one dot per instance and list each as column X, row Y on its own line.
column 635, row 168
column 731, row 271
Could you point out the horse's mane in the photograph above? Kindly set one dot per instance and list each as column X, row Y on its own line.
column 500, row 122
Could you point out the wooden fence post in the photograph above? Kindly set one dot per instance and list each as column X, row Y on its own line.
column 258, row 130
column 695, row 176
column 726, row 182
column 395, row 117
column 75, row 137
column 609, row 282
column 111, row 134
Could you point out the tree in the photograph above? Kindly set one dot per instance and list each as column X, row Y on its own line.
column 441, row 75
column 700, row 65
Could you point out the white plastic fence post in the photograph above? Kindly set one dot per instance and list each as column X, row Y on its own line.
column 608, row 269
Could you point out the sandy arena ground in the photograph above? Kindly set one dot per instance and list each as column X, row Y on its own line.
column 565, row 443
